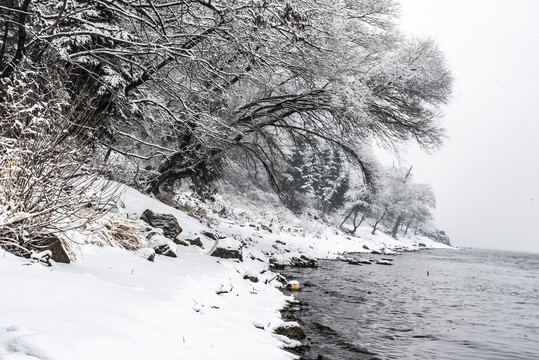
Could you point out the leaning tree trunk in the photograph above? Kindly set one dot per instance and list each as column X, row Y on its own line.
column 377, row 222
column 348, row 216
column 360, row 221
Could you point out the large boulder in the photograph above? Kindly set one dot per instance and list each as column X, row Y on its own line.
column 166, row 222
column 227, row 248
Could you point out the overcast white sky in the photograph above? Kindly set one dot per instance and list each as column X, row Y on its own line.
column 486, row 178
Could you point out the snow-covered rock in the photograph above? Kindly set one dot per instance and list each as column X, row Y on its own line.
column 291, row 330
column 146, row 253
column 303, row 261
column 227, row 248
column 195, row 242
column 167, row 222
column 162, row 245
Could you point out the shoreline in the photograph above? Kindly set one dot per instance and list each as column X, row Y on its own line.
column 115, row 304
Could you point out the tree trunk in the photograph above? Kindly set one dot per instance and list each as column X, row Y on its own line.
column 396, row 226
column 21, row 43
column 407, row 226
column 416, row 227
column 4, row 41
column 347, row 216
column 360, row 221
column 377, row 222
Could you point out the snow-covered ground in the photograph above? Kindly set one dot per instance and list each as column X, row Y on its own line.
column 112, row 304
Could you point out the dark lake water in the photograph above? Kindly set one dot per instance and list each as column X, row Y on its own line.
column 475, row 304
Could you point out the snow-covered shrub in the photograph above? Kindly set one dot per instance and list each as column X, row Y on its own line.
column 48, row 185
column 117, row 230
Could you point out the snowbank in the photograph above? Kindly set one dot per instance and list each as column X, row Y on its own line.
column 115, row 305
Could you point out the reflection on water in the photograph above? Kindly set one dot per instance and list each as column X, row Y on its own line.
column 474, row 304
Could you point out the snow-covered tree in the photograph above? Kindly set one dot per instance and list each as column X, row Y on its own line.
column 180, row 86
column 360, row 208
column 48, row 181
column 400, row 200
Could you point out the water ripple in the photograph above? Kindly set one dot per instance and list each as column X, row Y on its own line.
column 476, row 304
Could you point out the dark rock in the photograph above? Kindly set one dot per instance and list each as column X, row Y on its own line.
column 162, row 245
column 52, row 243
column 227, row 249
column 221, row 291
column 146, row 253
column 366, row 247
column 291, row 330
column 167, row 222
column 251, row 278
column 227, row 254
column 267, row 228
column 181, row 242
column 165, row 250
column 275, row 265
column 188, row 242
column 303, row 261
column 151, row 257
column 422, row 245
column 376, row 252
column 195, row 242
column 210, row 235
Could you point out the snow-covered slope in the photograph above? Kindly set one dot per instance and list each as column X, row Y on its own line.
column 112, row 304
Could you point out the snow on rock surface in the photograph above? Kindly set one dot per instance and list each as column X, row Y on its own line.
column 114, row 304
column 227, row 248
